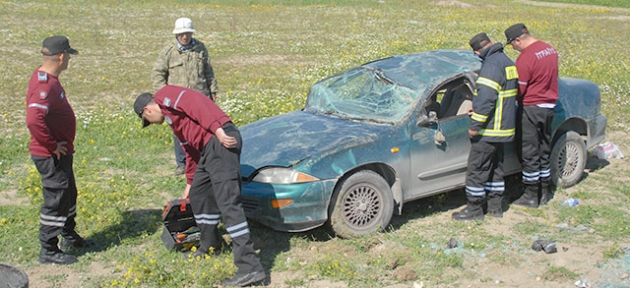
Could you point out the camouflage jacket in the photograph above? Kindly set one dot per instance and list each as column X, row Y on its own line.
column 190, row 69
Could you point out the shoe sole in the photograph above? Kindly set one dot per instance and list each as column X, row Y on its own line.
column 53, row 262
column 260, row 277
column 255, row 280
column 525, row 205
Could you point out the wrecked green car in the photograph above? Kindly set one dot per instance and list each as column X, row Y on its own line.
column 385, row 133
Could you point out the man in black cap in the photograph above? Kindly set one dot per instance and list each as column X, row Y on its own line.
column 537, row 67
column 213, row 174
column 492, row 125
column 52, row 124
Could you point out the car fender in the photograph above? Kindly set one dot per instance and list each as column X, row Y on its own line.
column 385, row 171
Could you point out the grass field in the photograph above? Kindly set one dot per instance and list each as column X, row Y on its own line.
column 607, row 3
column 266, row 54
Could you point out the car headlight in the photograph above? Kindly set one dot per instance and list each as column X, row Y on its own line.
column 279, row 175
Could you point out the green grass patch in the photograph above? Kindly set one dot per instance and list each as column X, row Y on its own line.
column 266, row 55
column 559, row 273
column 607, row 3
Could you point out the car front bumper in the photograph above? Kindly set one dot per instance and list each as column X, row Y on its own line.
column 308, row 210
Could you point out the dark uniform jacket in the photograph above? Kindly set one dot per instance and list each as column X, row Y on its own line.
column 494, row 102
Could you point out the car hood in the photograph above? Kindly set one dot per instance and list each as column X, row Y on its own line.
column 291, row 138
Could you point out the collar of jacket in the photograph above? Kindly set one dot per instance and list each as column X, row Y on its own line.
column 497, row 47
column 187, row 47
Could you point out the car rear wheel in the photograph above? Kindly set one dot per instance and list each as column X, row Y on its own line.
column 363, row 204
column 568, row 159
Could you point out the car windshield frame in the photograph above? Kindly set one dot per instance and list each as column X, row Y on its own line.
column 361, row 94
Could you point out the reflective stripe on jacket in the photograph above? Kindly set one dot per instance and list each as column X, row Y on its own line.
column 494, row 101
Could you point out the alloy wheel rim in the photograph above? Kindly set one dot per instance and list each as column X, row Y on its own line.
column 362, row 205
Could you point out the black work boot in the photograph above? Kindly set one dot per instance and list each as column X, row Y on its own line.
column 529, row 197
column 76, row 241
column 55, row 257
column 546, row 189
column 241, row 280
column 495, row 206
column 472, row 211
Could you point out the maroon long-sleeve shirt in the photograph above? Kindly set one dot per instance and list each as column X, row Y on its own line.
column 194, row 119
column 49, row 116
column 537, row 67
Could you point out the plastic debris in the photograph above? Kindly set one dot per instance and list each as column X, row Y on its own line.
column 579, row 227
column 607, row 150
column 570, row 202
column 549, row 246
column 452, row 243
column 582, row 284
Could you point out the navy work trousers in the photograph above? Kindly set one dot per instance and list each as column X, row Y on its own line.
column 215, row 194
column 535, row 130
column 60, row 198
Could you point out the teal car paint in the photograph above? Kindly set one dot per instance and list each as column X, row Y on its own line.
column 379, row 135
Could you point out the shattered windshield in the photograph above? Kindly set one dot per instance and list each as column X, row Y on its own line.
column 361, row 93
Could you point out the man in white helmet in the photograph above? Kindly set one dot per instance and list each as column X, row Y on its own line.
column 184, row 62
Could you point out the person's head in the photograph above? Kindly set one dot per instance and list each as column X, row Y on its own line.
column 480, row 42
column 184, row 30
column 148, row 110
column 56, row 51
column 518, row 36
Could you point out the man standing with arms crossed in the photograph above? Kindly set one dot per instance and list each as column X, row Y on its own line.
column 537, row 67
column 492, row 124
column 184, row 62
column 212, row 170
column 52, row 125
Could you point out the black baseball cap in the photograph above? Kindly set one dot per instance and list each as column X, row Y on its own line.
column 138, row 106
column 515, row 31
column 478, row 41
column 56, row 45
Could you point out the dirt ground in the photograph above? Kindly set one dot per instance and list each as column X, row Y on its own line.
column 585, row 259
column 526, row 270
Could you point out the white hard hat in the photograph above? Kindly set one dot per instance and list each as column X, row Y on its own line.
column 183, row 25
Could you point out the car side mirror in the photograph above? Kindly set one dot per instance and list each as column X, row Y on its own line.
column 425, row 120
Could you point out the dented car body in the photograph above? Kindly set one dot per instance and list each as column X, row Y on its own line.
column 385, row 133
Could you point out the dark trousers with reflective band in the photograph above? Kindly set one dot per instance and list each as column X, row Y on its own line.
column 485, row 171
column 535, row 124
column 60, row 197
column 215, row 193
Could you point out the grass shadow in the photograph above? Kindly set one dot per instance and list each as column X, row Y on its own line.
column 133, row 224
column 593, row 164
column 428, row 207
column 273, row 243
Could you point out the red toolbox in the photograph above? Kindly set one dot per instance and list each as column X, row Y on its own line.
column 180, row 230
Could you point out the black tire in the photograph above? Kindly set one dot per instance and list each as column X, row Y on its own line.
column 363, row 204
column 568, row 160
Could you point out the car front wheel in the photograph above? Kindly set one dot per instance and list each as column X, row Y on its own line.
column 568, row 159
column 363, row 204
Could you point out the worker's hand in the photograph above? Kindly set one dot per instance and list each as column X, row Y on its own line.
column 473, row 132
column 226, row 140
column 61, row 149
column 470, row 111
column 186, row 191
column 213, row 97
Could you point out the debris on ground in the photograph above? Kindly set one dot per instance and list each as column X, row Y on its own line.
column 607, row 150
column 452, row 243
column 549, row 246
